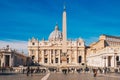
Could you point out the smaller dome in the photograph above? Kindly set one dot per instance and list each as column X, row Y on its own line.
column 56, row 35
column 80, row 39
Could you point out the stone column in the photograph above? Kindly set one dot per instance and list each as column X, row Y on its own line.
column 47, row 52
column 3, row 61
column 75, row 57
column 69, row 56
column 70, row 61
column 42, row 56
column 83, row 56
column 53, row 56
column 115, row 62
column 49, row 56
column 59, row 58
column 106, row 61
column 10, row 63
column 36, row 55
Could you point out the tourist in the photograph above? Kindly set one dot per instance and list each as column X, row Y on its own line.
column 28, row 70
column 94, row 72
column 31, row 71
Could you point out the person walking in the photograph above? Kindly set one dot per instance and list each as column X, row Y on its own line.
column 28, row 70
column 94, row 72
column 31, row 71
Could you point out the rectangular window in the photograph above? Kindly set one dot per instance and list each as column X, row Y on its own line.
column 45, row 60
column 67, row 60
column 51, row 61
column 56, row 60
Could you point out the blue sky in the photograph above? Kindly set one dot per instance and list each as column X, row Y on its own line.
column 23, row 19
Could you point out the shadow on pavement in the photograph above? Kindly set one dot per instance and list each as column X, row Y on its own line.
column 6, row 74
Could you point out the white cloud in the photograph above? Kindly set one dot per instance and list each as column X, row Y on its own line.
column 15, row 44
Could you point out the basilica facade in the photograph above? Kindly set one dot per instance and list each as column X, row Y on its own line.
column 58, row 50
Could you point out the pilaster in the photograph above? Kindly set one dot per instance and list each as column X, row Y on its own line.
column 42, row 56
column 49, row 56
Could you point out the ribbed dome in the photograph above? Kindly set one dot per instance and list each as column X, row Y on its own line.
column 56, row 35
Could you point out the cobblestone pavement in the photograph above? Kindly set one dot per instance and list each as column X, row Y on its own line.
column 61, row 76
column 22, row 77
column 82, row 76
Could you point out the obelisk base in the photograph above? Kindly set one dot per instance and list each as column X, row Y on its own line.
column 64, row 61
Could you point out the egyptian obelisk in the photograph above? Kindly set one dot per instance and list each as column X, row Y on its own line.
column 64, row 41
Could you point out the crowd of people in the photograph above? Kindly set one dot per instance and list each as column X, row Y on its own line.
column 6, row 69
column 95, row 71
column 29, row 70
column 32, row 70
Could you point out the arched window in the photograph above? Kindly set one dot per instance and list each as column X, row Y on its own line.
column 33, row 43
column 56, row 60
column 45, row 60
column 67, row 60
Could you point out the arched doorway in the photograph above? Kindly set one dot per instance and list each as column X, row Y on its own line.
column 79, row 59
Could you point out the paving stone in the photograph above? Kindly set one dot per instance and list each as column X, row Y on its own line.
column 81, row 76
column 61, row 76
column 22, row 77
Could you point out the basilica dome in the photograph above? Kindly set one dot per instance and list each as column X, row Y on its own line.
column 55, row 35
